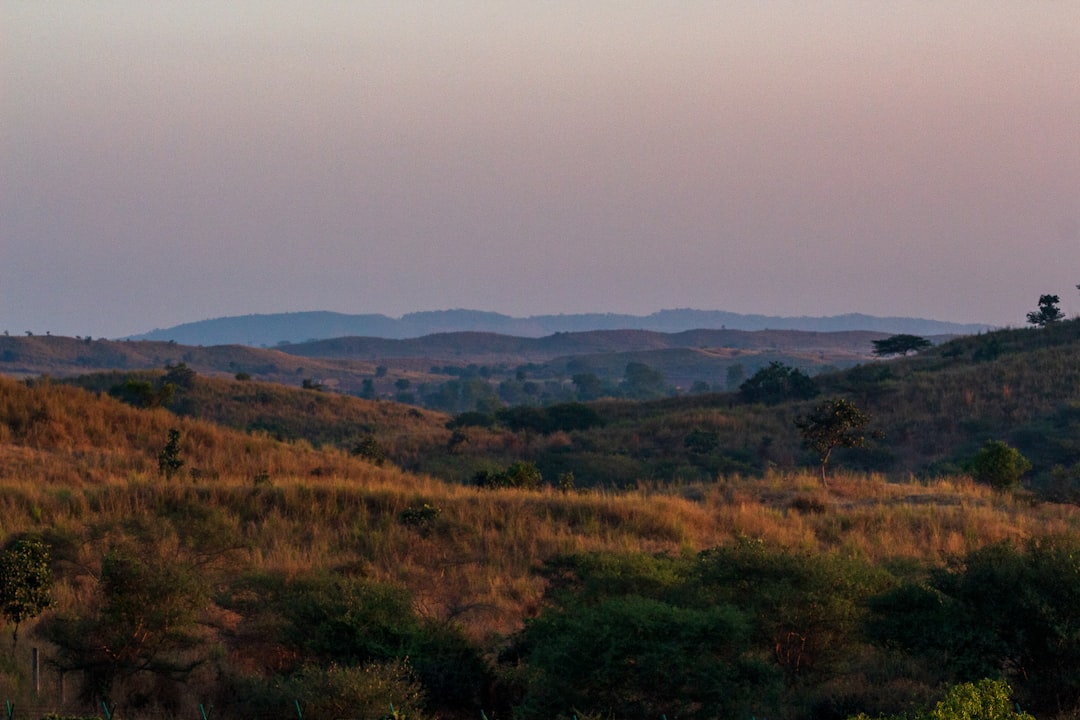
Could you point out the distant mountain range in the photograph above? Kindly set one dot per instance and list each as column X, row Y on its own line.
column 268, row 330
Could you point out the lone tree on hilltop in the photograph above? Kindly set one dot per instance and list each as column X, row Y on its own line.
column 832, row 424
column 1048, row 311
column 900, row 345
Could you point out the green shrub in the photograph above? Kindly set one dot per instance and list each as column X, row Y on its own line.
column 999, row 465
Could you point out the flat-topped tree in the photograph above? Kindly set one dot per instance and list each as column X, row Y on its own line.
column 900, row 345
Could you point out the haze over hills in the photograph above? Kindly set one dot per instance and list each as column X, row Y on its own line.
column 347, row 363
column 272, row 329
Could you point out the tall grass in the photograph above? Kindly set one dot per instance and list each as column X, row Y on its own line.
column 76, row 463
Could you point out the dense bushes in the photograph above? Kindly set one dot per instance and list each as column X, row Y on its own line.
column 1002, row 610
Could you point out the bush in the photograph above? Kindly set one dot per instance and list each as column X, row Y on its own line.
column 634, row 657
column 999, row 465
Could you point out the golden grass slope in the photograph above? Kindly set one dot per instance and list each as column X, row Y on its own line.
column 75, row 465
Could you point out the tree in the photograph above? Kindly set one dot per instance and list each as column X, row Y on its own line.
column 1047, row 313
column 169, row 462
column 588, row 386
column 642, row 382
column 983, row 700
column 832, row 424
column 999, row 465
column 900, row 345
column 25, row 582
column 617, row 658
column 736, row 375
column 141, row 619
column 179, row 375
column 776, row 383
column 368, row 448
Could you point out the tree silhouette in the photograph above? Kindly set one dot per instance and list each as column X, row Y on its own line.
column 1047, row 313
column 832, row 424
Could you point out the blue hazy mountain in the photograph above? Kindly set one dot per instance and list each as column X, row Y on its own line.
column 274, row 329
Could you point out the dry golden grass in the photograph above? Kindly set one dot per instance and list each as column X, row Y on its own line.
column 74, row 463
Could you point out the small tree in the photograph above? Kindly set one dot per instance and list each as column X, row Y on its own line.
column 169, row 462
column 900, row 345
column 832, row 424
column 1047, row 313
column 368, row 448
column 999, row 465
column 983, row 700
column 25, row 582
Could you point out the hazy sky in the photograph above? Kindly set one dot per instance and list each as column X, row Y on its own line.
column 168, row 162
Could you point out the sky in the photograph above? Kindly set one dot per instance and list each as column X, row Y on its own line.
column 168, row 162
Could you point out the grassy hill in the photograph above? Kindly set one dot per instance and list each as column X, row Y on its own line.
column 452, row 371
column 275, row 566
column 935, row 410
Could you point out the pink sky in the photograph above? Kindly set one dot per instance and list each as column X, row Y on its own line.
column 169, row 162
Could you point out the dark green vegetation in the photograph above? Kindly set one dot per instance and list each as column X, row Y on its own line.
column 900, row 345
column 250, row 546
column 25, row 581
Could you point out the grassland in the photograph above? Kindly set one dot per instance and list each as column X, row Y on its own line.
column 270, row 505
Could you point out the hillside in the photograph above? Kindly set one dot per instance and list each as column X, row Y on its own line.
column 436, row 371
column 272, row 329
column 263, row 573
column 935, row 410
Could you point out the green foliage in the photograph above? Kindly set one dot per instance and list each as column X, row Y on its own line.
column 635, row 657
column 345, row 620
column 143, row 394
column 563, row 417
column 522, row 474
column 832, row 424
column 982, row 700
column 1047, row 313
column 25, row 581
column 588, row 386
column 809, row 608
column 702, row 441
column 387, row 691
column 642, row 382
column 900, row 345
column 169, row 460
column 1001, row 610
column 780, row 621
column 999, row 465
column 350, row 622
column 776, row 383
column 422, row 518
column 369, row 449
column 180, row 376
column 142, row 619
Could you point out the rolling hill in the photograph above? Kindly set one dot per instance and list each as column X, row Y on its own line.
column 271, row 329
column 273, row 569
column 375, row 366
